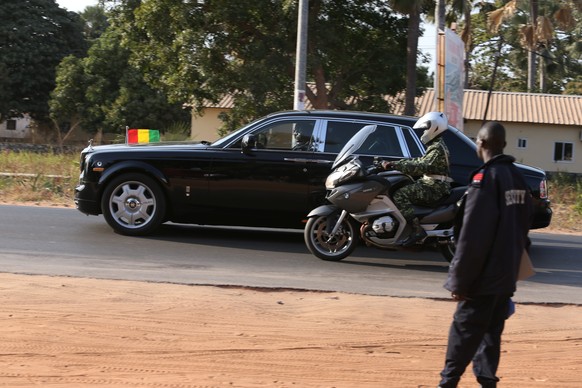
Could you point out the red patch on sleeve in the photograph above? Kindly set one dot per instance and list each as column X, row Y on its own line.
column 477, row 178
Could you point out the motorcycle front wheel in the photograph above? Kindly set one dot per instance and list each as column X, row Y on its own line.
column 329, row 247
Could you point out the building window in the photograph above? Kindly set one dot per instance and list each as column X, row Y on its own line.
column 11, row 125
column 521, row 143
column 563, row 152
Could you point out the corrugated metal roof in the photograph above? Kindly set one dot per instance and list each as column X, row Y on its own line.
column 516, row 107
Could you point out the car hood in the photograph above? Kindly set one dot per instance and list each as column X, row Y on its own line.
column 162, row 146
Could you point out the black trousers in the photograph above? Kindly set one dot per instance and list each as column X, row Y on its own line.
column 475, row 335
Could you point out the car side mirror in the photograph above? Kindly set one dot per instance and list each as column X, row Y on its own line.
column 249, row 142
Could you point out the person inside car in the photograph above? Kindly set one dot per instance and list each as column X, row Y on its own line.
column 302, row 136
column 432, row 169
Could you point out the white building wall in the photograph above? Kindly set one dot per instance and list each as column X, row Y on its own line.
column 540, row 143
column 22, row 129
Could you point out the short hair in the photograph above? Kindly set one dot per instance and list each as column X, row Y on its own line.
column 494, row 133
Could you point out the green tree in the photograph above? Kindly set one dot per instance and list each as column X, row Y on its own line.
column 546, row 32
column 68, row 101
column 95, row 22
column 574, row 87
column 104, row 93
column 507, row 36
column 199, row 51
column 34, row 36
column 414, row 9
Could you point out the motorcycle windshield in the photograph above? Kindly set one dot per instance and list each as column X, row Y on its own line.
column 354, row 144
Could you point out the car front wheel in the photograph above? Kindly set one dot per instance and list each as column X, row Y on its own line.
column 133, row 204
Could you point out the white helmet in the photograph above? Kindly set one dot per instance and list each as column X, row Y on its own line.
column 433, row 123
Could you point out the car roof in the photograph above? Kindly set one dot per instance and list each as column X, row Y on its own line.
column 346, row 114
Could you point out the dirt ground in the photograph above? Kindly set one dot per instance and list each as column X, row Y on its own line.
column 74, row 332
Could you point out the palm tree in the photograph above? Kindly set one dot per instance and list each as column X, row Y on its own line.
column 538, row 32
column 462, row 9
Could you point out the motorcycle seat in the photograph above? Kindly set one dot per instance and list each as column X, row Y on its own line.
column 456, row 194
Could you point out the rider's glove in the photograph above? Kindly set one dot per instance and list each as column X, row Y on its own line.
column 387, row 165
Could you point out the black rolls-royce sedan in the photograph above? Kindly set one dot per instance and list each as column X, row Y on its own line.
column 270, row 173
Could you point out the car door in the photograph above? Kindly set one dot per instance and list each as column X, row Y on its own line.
column 268, row 182
column 390, row 141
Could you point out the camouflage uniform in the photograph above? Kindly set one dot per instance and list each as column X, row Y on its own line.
column 425, row 191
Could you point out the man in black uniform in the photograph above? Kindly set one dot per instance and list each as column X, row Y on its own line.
column 483, row 273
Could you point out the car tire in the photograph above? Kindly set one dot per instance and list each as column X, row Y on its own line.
column 337, row 247
column 133, row 204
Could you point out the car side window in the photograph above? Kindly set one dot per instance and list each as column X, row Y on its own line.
column 338, row 133
column 383, row 142
column 286, row 135
column 412, row 143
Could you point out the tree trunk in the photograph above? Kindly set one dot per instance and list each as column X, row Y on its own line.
column 319, row 99
column 543, row 75
column 411, row 56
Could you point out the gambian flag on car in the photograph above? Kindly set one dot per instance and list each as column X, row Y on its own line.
column 135, row 136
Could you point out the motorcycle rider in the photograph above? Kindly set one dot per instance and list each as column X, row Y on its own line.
column 433, row 168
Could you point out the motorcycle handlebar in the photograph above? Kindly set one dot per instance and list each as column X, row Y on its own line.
column 373, row 170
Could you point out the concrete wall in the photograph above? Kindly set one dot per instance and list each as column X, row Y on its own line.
column 22, row 131
column 540, row 142
column 205, row 126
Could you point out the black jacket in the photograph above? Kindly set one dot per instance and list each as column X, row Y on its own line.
column 493, row 232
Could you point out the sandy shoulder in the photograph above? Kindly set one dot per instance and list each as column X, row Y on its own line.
column 73, row 332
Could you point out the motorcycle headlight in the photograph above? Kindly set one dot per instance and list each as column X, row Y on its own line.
column 343, row 174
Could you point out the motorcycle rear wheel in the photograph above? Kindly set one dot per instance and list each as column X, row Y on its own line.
column 328, row 247
column 447, row 248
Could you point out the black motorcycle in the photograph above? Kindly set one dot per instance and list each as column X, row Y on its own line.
column 361, row 207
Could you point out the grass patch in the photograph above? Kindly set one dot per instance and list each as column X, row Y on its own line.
column 39, row 178
column 565, row 191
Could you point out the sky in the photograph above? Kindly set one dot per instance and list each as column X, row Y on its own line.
column 76, row 5
column 427, row 44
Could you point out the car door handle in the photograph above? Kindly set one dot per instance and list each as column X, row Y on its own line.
column 302, row 160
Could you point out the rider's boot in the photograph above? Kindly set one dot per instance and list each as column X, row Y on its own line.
column 417, row 234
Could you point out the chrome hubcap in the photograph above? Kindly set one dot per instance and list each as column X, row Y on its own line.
column 132, row 204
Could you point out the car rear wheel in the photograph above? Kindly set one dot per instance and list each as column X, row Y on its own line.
column 133, row 204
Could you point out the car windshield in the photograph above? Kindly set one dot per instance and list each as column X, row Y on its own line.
column 223, row 141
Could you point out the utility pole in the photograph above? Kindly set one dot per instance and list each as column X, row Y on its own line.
column 440, row 54
column 301, row 55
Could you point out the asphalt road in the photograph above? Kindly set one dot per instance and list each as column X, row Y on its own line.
column 56, row 241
